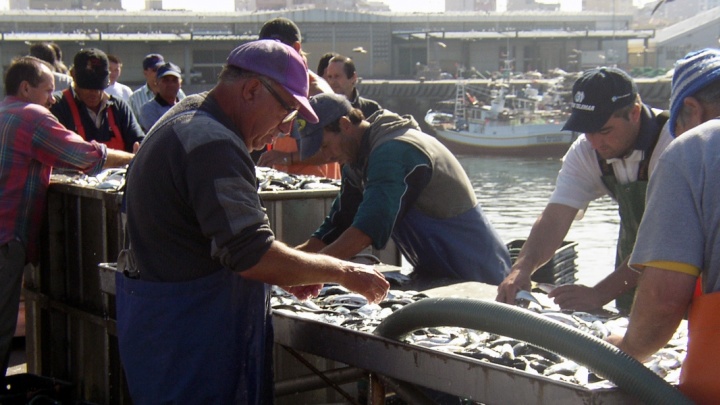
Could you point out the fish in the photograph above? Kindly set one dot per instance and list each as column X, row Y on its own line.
column 338, row 306
column 269, row 179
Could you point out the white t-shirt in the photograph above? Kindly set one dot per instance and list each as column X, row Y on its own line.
column 579, row 180
column 119, row 90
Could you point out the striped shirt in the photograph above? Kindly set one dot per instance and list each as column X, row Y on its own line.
column 32, row 142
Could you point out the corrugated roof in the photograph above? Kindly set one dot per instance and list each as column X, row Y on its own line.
column 298, row 15
column 54, row 36
column 547, row 34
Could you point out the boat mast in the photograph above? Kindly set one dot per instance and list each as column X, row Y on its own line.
column 460, row 118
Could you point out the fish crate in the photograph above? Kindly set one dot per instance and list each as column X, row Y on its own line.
column 68, row 333
column 561, row 269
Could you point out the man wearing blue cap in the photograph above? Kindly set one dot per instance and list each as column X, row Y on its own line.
column 193, row 305
column 400, row 183
column 168, row 82
column 150, row 64
column 679, row 240
column 622, row 141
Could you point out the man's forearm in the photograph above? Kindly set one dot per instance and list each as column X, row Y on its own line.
column 316, row 159
column 117, row 158
column 545, row 237
column 661, row 301
column 350, row 243
column 312, row 245
column 306, row 268
column 621, row 280
column 284, row 266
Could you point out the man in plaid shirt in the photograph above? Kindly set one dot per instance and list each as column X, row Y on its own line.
column 32, row 142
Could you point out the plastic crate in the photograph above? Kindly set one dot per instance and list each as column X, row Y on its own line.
column 561, row 269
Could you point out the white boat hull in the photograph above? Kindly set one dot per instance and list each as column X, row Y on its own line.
column 531, row 139
column 505, row 122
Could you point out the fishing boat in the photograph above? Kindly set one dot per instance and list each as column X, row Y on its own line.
column 499, row 120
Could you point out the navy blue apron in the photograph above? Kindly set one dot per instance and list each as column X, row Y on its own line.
column 472, row 251
column 205, row 341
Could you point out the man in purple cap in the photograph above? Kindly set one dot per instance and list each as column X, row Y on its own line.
column 169, row 82
column 193, row 313
column 151, row 63
column 623, row 139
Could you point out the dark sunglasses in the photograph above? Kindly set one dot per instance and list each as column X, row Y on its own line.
column 292, row 112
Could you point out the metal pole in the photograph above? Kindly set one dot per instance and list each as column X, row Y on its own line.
column 320, row 374
column 408, row 392
column 372, row 50
column 312, row 381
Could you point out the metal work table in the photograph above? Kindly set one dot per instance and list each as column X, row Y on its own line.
column 454, row 374
column 71, row 326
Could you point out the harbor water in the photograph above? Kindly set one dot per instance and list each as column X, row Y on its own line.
column 513, row 192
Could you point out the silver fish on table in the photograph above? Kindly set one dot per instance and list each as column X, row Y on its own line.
column 337, row 306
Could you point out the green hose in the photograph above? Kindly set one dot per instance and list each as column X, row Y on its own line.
column 603, row 358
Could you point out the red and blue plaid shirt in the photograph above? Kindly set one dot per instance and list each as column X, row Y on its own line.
column 32, row 142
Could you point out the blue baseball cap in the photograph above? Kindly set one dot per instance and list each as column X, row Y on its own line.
column 153, row 60
column 328, row 107
column 170, row 69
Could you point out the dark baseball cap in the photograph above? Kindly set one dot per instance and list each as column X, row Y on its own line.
column 279, row 62
column 282, row 29
column 328, row 107
column 153, row 60
column 90, row 69
column 596, row 96
column 169, row 69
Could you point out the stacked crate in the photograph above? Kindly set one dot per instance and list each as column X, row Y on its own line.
column 561, row 269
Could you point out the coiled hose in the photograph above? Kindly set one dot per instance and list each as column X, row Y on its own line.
column 603, row 358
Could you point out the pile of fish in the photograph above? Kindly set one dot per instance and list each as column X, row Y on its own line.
column 337, row 306
column 275, row 180
column 108, row 179
column 268, row 180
